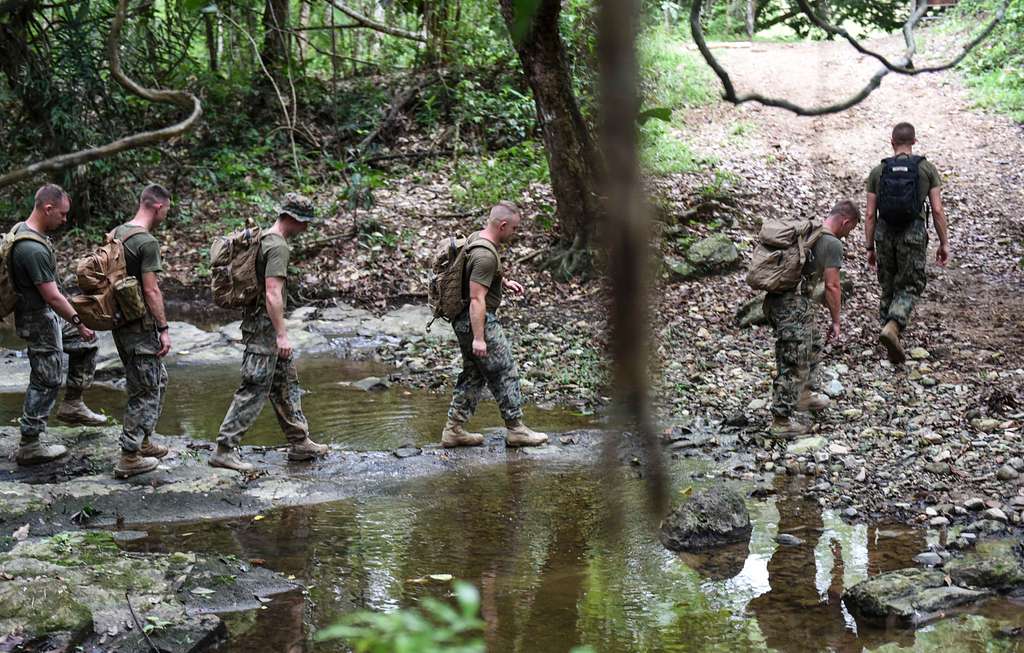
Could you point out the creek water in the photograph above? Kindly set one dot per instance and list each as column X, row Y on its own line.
column 535, row 538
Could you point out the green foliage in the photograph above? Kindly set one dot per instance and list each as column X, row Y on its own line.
column 504, row 175
column 728, row 20
column 436, row 627
column 995, row 70
column 670, row 75
column 663, row 151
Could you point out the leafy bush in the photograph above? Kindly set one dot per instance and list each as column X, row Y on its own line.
column 995, row 69
column 504, row 175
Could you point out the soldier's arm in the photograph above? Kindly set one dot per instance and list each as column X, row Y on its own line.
column 941, row 226
column 833, row 298
column 275, row 309
column 154, row 297
column 869, row 221
column 478, row 316
column 52, row 295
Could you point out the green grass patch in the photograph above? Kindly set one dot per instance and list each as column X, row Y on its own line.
column 663, row 152
column 502, row 175
column 672, row 76
column 994, row 71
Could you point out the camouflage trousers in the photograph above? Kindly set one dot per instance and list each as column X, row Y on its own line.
column 145, row 380
column 797, row 348
column 49, row 338
column 496, row 371
column 265, row 376
column 902, row 277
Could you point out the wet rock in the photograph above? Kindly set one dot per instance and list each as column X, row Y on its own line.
column 751, row 313
column 785, row 539
column 928, row 558
column 910, row 596
column 372, row 384
column 804, row 446
column 995, row 514
column 985, row 527
column 710, row 518
column 408, row 452
column 938, row 522
column 993, row 564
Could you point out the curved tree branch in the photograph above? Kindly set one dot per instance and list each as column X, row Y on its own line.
column 902, row 66
column 374, row 25
column 182, row 99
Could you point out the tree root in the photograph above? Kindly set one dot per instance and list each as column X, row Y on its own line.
column 566, row 262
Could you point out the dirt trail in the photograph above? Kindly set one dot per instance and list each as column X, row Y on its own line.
column 903, row 440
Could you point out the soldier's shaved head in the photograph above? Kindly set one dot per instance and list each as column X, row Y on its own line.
column 904, row 134
column 154, row 194
column 49, row 194
column 504, row 211
column 846, row 209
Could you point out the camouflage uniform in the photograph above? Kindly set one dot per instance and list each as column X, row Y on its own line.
column 49, row 338
column 145, row 380
column 265, row 375
column 497, row 371
column 902, row 257
column 797, row 348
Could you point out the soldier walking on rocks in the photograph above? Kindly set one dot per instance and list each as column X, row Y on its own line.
column 268, row 370
column 52, row 328
column 899, row 191
column 486, row 355
column 142, row 343
column 791, row 314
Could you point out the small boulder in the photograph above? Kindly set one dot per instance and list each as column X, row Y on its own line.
column 713, row 255
column 710, row 518
column 910, row 596
column 372, row 384
column 993, row 564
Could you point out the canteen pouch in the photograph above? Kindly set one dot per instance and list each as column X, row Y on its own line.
column 130, row 300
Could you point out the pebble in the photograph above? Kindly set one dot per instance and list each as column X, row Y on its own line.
column 834, row 389
column 862, row 475
column 928, row 382
column 919, row 353
column 928, row 558
column 995, row 514
column 837, row 449
column 756, row 404
column 938, row 522
column 1017, row 463
column 850, row 512
column 974, row 503
column 1007, row 473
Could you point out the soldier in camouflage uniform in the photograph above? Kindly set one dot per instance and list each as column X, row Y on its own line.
column 791, row 315
column 268, row 369
column 45, row 318
column 142, row 343
column 901, row 255
column 486, row 355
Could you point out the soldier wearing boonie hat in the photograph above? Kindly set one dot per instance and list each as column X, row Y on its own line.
column 268, row 370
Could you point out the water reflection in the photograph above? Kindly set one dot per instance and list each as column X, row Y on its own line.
column 531, row 537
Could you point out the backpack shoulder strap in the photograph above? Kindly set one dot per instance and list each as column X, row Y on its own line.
column 28, row 235
column 131, row 231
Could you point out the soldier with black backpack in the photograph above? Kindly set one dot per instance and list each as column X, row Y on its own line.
column 899, row 190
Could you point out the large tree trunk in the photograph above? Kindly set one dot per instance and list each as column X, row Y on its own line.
column 275, row 48
column 572, row 157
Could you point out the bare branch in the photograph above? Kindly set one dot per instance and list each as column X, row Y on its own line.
column 902, row 66
column 182, row 99
column 374, row 25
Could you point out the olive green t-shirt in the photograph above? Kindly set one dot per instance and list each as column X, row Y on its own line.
column 483, row 267
column 141, row 252
column 257, row 330
column 826, row 253
column 32, row 263
column 928, row 178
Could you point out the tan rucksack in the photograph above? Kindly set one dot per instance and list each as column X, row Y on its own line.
column 8, row 293
column 781, row 252
column 109, row 297
column 446, row 290
column 233, row 278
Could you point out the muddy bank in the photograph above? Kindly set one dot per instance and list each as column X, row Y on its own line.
column 80, row 591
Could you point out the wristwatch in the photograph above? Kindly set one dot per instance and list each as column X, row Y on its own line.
column 76, row 319
column 161, row 329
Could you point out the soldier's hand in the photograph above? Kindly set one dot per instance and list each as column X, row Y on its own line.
column 871, row 258
column 165, row 344
column 87, row 334
column 942, row 255
column 480, row 348
column 515, row 287
column 284, row 347
column 833, row 333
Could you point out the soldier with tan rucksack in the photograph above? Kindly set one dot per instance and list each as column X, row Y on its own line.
column 49, row 323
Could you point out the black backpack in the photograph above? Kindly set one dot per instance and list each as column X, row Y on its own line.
column 899, row 198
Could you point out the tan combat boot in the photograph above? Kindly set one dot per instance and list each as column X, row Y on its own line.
column 76, row 412
column 35, row 452
column 150, row 450
column 521, row 435
column 306, row 450
column 813, row 401
column 890, row 339
column 229, row 459
column 133, row 464
column 454, row 435
column 787, row 428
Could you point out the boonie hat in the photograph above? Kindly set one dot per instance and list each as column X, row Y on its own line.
column 299, row 207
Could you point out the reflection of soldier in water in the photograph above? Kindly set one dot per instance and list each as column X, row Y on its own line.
column 793, row 616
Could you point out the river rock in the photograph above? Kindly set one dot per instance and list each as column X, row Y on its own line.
column 993, row 564
column 751, row 313
column 713, row 254
column 372, row 384
column 919, row 353
column 994, row 514
column 1007, row 473
column 910, row 596
column 711, row 517
column 805, row 446
column 785, row 539
column 834, row 389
